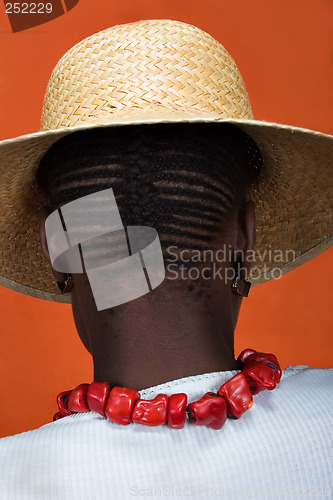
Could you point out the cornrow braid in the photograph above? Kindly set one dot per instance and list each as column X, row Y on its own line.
column 182, row 179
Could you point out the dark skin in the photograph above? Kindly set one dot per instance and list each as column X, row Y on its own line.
column 181, row 328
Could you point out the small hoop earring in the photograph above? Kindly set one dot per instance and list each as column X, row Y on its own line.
column 67, row 285
column 241, row 287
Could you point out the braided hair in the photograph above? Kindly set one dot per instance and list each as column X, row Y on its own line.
column 183, row 179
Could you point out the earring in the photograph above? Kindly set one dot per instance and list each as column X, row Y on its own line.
column 241, row 286
column 67, row 285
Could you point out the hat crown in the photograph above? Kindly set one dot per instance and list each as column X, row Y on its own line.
column 154, row 69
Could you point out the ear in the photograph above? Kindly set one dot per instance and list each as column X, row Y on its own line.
column 43, row 215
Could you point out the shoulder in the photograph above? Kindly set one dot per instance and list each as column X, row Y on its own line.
column 303, row 386
column 302, row 405
column 305, row 369
column 49, row 431
column 301, row 374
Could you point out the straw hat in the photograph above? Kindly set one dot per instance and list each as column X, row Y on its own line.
column 163, row 71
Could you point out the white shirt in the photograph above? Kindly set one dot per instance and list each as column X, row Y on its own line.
column 281, row 448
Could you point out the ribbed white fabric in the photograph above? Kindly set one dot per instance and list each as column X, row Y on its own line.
column 281, row 448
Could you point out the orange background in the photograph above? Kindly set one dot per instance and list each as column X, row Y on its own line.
column 283, row 50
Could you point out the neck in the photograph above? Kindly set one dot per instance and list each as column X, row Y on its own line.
column 162, row 336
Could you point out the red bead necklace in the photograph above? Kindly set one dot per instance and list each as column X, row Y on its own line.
column 122, row 405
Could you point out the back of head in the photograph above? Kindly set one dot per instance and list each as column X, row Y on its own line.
column 182, row 179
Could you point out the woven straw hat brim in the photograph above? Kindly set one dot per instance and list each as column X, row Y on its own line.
column 293, row 199
column 160, row 71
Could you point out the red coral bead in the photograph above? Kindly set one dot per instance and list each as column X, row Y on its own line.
column 177, row 411
column 57, row 416
column 120, row 404
column 237, row 394
column 62, row 402
column 270, row 360
column 210, row 410
column 259, row 376
column 78, row 399
column 151, row 411
column 244, row 355
column 97, row 396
